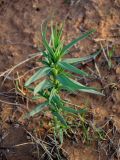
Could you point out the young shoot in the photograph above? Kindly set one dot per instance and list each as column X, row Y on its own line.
column 57, row 75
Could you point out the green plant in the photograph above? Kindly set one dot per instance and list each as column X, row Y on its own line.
column 57, row 72
column 110, row 55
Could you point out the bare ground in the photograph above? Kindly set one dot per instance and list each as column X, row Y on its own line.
column 20, row 23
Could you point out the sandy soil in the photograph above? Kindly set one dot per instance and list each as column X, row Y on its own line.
column 20, row 22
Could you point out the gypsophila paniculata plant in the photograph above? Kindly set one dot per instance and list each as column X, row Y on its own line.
column 57, row 72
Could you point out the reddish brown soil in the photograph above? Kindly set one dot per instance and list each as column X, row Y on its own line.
column 20, row 23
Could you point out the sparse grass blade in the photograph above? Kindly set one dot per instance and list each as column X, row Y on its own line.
column 71, row 44
column 39, row 74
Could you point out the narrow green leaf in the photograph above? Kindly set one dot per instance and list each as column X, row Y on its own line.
column 71, row 68
column 52, row 34
column 72, row 110
column 59, row 117
column 39, row 74
column 43, row 53
column 72, row 43
column 45, row 62
column 31, row 89
column 61, row 135
column 75, row 60
column 46, row 45
column 73, row 85
column 37, row 109
column 52, row 94
column 92, row 91
column 44, row 94
column 42, row 85
column 58, row 51
column 45, row 42
column 82, row 111
column 57, row 101
column 70, row 83
column 79, row 84
column 36, row 97
column 61, row 31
